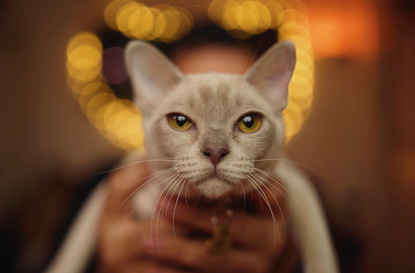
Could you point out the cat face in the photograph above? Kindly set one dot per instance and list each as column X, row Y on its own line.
column 213, row 126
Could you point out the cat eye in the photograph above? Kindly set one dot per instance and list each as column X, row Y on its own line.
column 250, row 123
column 179, row 122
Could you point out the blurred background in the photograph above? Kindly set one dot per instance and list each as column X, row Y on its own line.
column 352, row 118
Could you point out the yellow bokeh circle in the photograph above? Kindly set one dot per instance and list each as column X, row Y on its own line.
column 120, row 121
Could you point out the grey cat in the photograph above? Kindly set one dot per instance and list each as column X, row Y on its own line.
column 218, row 135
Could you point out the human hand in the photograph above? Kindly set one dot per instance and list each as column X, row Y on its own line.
column 130, row 245
column 120, row 233
column 122, row 238
column 259, row 244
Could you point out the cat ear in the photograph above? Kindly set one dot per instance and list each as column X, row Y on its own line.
column 272, row 72
column 152, row 74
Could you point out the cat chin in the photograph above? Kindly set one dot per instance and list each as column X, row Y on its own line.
column 213, row 188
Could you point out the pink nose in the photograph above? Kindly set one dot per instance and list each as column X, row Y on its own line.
column 215, row 154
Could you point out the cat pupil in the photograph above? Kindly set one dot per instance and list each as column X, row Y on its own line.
column 248, row 121
column 181, row 120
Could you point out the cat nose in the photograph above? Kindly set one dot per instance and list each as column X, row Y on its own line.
column 215, row 154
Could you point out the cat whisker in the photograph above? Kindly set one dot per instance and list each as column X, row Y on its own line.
column 166, row 192
column 262, row 195
column 243, row 192
column 185, row 195
column 260, row 179
column 263, row 180
column 291, row 162
column 277, row 180
column 136, row 163
column 175, row 207
column 174, row 179
column 150, row 178
column 172, row 188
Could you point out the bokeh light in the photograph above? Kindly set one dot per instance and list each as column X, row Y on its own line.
column 90, row 68
column 244, row 18
column 117, row 119
column 84, row 57
column 159, row 23
column 241, row 18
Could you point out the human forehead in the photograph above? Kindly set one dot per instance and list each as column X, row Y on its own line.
column 213, row 57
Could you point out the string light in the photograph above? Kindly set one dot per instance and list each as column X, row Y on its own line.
column 119, row 120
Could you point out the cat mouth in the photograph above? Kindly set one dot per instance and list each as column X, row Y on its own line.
column 217, row 177
column 214, row 186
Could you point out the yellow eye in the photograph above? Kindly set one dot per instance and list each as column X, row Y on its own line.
column 250, row 123
column 179, row 122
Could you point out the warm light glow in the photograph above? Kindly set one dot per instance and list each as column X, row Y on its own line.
column 136, row 20
column 249, row 16
column 294, row 27
column 345, row 29
column 243, row 18
column 110, row 13
column 84, row 57
column 119, row 120
column 113, row 117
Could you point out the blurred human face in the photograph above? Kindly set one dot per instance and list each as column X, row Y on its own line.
column 213, row 57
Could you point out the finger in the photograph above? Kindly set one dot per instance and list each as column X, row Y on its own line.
column 247, row 230
column 263, row 233
column 268, row 224
column 289, row 259
column 194, row 254
column 121, row 241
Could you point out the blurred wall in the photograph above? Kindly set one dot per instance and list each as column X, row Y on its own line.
column 43, row 130
column 340, row 143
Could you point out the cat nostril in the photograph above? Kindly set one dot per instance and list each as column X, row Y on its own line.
column 215, row 155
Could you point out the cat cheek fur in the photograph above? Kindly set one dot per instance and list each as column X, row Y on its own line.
column 214, row 103
column 165, row 143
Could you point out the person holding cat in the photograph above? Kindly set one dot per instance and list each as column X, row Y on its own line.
column 127, row 244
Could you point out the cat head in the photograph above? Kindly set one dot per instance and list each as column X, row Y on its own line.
column 216, row 128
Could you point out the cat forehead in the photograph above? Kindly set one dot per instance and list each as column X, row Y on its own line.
column 211, row 89
column 214, row 93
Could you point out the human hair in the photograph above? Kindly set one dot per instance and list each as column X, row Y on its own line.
column 211, row 33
